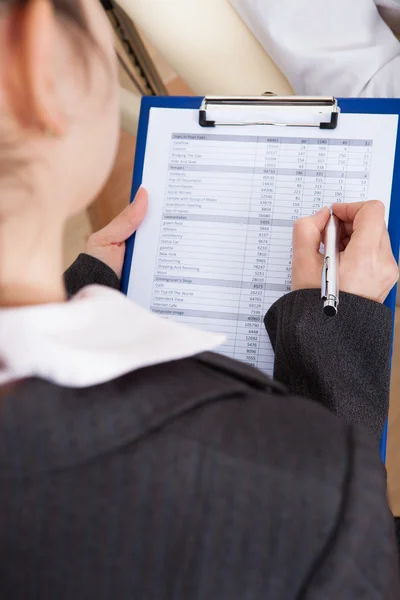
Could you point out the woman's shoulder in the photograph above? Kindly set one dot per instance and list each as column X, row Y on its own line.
column 209, row 399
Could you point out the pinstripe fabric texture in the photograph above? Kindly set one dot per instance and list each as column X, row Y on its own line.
column 199, row 479
column 342, row 363
column 195, row 479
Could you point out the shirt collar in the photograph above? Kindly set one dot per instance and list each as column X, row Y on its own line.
column 97, row 336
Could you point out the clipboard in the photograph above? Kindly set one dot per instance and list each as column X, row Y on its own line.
column 332, row 106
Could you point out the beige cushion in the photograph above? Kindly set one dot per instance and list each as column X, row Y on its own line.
column 208, row 46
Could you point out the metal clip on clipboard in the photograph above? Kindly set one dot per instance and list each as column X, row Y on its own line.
column 266, row 101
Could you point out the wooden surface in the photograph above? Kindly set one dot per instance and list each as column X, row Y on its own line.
column 77, row 232
column 116, row 193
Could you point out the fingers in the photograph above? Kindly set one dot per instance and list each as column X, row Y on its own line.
column 367, row 265
column 307, row 260
column 307, row 232
column 363, row 221
column 347, row 212
column 126, row 223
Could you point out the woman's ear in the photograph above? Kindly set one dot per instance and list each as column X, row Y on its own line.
column 28, row 68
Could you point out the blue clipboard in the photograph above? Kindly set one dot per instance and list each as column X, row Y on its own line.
column 347, row 105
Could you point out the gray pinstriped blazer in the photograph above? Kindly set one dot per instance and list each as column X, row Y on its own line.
column 202, row 478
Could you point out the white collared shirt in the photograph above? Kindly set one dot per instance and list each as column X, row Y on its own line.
column 95, row 337
column 330, row 47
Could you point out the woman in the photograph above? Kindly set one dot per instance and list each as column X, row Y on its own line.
column 133, row 463
column 342, row 48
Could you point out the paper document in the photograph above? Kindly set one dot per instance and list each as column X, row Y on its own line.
column 215, row 250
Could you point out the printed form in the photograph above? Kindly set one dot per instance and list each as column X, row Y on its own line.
column 215, row 250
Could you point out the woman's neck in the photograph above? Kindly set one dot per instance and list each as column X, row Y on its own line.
column 31, row 259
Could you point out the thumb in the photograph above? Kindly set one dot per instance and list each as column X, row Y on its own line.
column 126, row 223
column 307, row 232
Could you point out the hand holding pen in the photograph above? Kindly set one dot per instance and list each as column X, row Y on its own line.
column 366, row 266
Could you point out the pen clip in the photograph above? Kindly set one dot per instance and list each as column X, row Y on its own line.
column 324, row 282
column 331, row 300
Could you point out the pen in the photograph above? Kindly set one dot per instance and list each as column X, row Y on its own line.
column 330, row 272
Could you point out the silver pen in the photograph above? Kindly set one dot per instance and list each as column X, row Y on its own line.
column 330, row 272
